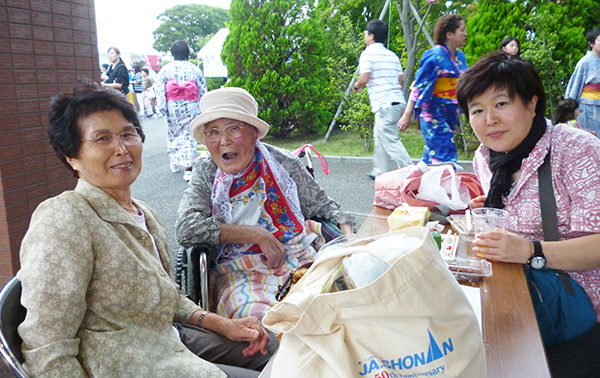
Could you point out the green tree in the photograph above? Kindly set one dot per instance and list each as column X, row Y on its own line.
column 540, row 51
column 567, row 22
column 573, row 19
column 358, row 117
column 360, row 12
column 344, row 45
column 551, row 34
column 343, row 22
column 194, row 23
column 556, row 41
column 275, row 50
column 493, row 21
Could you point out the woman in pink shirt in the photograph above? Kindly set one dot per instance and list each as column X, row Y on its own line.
column 505, row 102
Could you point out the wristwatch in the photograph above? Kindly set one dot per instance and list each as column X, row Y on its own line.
column 537, row 260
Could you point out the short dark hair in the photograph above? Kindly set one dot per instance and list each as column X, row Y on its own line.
column 137, row 68
column 379, row 29
column 592, row 35
column 180, row 50
column 565, row 110
column 104, row 65
column 68, row 109
column 146, row 71
column 508, row 40
column 446, row 24
column 502, row 71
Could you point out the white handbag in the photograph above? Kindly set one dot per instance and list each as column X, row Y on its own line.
column 412, row 321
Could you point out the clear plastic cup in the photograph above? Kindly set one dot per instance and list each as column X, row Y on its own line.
column 488, row 219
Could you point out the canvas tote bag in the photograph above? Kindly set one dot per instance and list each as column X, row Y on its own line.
column 414, row 320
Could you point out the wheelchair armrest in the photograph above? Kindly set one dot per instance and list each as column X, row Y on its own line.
column 198, row 263
column 200, row 274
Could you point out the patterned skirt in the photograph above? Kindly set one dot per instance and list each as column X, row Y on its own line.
column 246, row 287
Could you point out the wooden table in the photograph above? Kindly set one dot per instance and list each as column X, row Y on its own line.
column 513, row 345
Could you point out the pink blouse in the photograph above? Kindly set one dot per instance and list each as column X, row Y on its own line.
column 575, row 163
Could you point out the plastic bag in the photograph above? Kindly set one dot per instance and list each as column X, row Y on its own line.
column 442, row 185
column 404, row 186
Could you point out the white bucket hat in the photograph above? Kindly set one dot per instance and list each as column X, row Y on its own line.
column 234, row 103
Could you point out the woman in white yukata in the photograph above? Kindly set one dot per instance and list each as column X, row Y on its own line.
column 584, row 85
column 179, row 86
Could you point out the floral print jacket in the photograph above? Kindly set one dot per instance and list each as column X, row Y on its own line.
column 575, row 163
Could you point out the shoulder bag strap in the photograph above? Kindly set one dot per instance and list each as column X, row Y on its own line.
column 549, row 217
column 547, row 200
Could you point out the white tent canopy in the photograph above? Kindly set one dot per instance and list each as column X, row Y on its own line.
column 211, row 55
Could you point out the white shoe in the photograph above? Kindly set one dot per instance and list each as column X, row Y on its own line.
column 174, row 167
column 187, row 176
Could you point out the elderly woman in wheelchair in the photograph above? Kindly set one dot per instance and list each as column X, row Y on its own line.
column 254, row 205
column 95, row 267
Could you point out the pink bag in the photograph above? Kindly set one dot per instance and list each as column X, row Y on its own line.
column 439, row 188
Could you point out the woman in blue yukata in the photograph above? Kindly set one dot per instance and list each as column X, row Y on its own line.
column 584, row 84
column 433, row 95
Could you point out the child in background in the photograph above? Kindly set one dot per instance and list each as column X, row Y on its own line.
column 104, row 67
column 567, row 111
column 136, row 84
column 146, row 88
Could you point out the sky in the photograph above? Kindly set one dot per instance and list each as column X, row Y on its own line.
column 128, row 24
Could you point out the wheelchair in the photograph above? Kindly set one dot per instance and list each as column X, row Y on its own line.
column 193, row 266
column 12, row 313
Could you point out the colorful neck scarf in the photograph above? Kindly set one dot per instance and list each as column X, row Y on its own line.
column 264, row 194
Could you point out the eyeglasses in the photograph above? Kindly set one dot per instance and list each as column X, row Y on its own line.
column 106, row 139
column 233, row 131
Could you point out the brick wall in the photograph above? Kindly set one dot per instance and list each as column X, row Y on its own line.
column 45, row 47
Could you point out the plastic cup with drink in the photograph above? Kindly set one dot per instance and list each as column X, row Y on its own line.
column 488, row 219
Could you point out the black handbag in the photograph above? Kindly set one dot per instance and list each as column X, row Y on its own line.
column 562, row 308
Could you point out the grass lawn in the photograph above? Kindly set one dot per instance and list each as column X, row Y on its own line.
column 347, row 143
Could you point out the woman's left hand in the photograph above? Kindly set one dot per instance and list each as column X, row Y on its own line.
column 248, row 329
column 477, row 202
column 502, row 245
